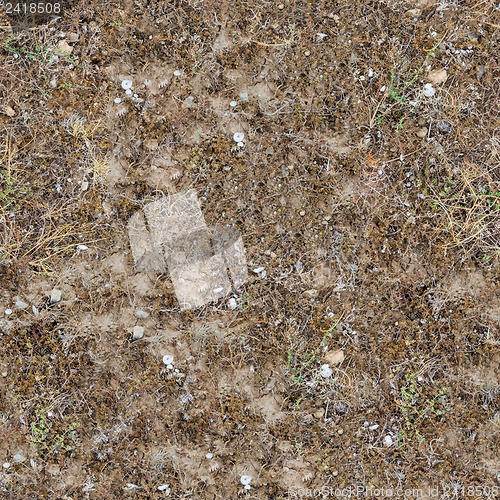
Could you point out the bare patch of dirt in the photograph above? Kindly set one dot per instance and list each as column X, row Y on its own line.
column 361, row 353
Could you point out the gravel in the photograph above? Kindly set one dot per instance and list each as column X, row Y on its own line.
column 325, row 371
column 126, row 84
column 141, row 314
column 168, row 359
column 18, row 458
column 138, row 332
column 55, row 296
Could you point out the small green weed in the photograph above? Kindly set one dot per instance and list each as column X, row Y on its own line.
column 415, row 407
column 48, row 440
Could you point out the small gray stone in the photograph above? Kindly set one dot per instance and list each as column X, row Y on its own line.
column 55, row 296
column 18, row 458
column 21, row 305
column 444, row 127
column 141, row 314
column 138, row 332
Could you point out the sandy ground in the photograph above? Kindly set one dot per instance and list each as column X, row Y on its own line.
column 361, row 355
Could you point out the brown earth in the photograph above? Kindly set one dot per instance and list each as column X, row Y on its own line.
column 373, row 208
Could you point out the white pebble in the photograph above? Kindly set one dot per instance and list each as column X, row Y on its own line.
column 248, row 487
column 82, row 247
column 6, row 465
column 373, row 427
column 168, row 359
column 138, row 332
column 209, row 456
column 177, row 72
column 325, row 371
column 232, row 303
column 258, row 270
column 245, row 480
column 165, row 488
column 21, row 305
column 244, row 95
column 118, row 100
column 126, row 84
column 238, row 137
column 388, row 440
column 429, row 90
column 130, row 486
column 128, row 92
column 8, row 311
column 233, row 104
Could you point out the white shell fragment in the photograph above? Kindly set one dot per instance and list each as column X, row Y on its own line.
column 177, row 72
column 388, row 440
column 126, row 84
column 168, row 359
column 82, row 247
column 130, row 487
column 209, row 456
column 239, row 137
column 245, row 480
column 429, row 90
column 232, row 303
column 118, row 100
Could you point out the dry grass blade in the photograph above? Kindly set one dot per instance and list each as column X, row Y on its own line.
column 471, row 209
